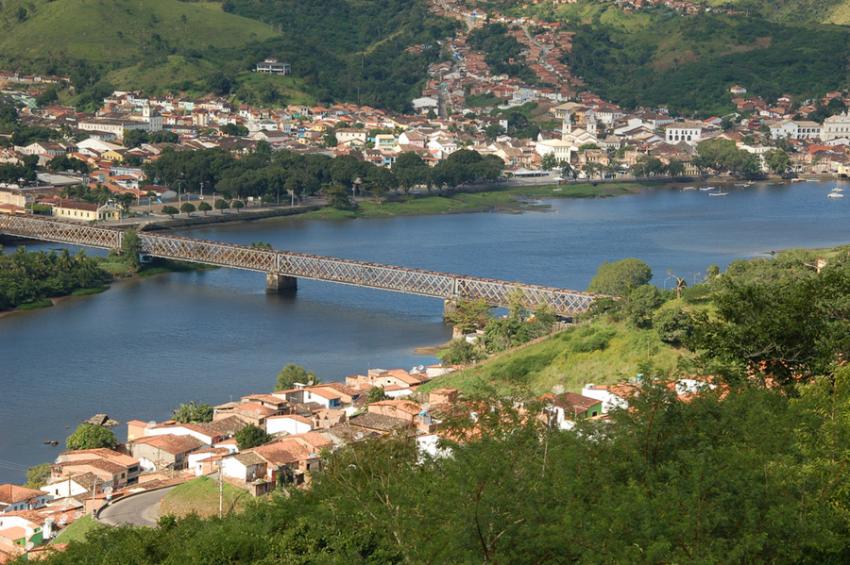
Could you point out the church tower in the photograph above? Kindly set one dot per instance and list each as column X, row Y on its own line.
column 567, row 126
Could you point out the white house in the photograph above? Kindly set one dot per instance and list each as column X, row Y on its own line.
column 245, row 467
column 290, row 424
column 605, row 394
column 14, row 498
column 836, row 127
column 425, row 104
column 689, row 132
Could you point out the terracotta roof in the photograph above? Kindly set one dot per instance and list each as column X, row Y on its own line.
column 407, row 406
column 575, row 403
column 171, row 443
column 12, row 494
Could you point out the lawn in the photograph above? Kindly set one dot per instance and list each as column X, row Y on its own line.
column 598, row 352
column 77, row 530
column 200, row 496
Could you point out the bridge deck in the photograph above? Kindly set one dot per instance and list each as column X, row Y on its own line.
column 303, row 265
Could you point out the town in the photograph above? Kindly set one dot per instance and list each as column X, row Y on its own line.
column 541, row 134
column 262, row 443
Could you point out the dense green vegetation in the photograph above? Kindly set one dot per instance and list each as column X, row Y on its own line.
column 352, row 49
column 754, row 477
column 688, row 63
column 502, row 52
column 31, row 278
column 372, row 52
column 274, row 175
column 91, row 436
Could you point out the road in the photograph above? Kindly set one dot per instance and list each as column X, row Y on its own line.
column 138, row 510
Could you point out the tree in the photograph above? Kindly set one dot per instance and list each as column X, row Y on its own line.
column 777, row 160
column 91, row 436
column 293, row 374
column 620, row 277
column 38, row 475
column 131, row 249
column 461, row 352
column 251, row 436
column 204, row 207
column 674, row 326
column 411, row 170
column 236, row 130
column 641, row 304
column 675, row 168
column 192, row 412
column 187, row 208
column 493, row 131
column 549, row 162
column 221, row 205
column 170, row 210
column 376, row 394
column 468, row 315
column 237, row 205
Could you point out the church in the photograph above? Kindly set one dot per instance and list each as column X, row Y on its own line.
column 566, row 148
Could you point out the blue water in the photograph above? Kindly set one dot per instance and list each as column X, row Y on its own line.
column 143, row 347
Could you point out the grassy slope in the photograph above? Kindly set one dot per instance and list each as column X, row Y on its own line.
column 568, row 359
column 77, row 530
column 200, row 496
column 119, row 30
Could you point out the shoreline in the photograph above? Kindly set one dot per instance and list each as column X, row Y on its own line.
column 472, row 199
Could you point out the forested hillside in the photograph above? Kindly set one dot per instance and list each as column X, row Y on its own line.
column 657, row 57
column 374, row 52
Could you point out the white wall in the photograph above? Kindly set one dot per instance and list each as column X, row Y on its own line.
column 291, row 426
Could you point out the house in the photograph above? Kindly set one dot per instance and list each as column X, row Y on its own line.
column 611, row 396
column 405, row 410
column 737, row 90
column 567, row 408
column 24, row 529
column 273, row 67
column 81, row 211
column 83, row 485
column 109, row 466
column 689, row 132
column 425, row 104
column 167, row 451
column 253, row 413
column 350, row 136
column 290, row 424
column 14, row 497
column 210, row 433
column 836, row 127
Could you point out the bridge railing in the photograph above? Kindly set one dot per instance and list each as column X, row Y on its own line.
column 304, row 265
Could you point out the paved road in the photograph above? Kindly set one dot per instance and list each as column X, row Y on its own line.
column 138, row 510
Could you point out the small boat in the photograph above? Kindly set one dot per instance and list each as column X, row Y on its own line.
column 749, row 183
column 837, row 189
column 687, row 188
column 798, row 180
column 707, row 188
column 51, row 442
column 719, row 194
column 835, row 195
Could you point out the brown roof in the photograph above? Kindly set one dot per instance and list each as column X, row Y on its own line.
column 575, row 403
column 171, row 443
column 378, row 422
column 12, row 494
column 78, row 205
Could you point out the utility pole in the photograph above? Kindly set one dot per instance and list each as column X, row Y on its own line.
column 220, row 491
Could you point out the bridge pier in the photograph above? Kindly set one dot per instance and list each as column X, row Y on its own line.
column 449, row 307
column 277, row 283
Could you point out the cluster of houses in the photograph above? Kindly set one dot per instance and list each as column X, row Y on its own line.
column 304, row 423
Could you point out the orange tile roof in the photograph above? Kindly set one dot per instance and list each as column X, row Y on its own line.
column 12, row 494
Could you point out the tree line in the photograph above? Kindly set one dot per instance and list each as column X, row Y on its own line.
column 275, row 175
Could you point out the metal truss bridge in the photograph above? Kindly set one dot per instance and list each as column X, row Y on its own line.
column 283, row 268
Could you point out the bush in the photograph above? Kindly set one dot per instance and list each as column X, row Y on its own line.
column 461, row 352
column 591, row 341
column 674, row 326
column 642, row 304
column 620, row 277
column 90, row 436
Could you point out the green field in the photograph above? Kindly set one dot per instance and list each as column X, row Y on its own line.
column 77, row 530
column 200, row 496
column 598, row 352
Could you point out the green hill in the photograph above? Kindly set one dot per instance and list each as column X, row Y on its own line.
column 350, row 50
column 659, row 58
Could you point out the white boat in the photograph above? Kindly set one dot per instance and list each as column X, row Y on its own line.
column 719, row 194
column 837, row 189
column 835, row 195
column 689, row 188
column 707, row 188
column 798, row 180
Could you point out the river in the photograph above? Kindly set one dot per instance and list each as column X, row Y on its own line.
column 143, row 347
